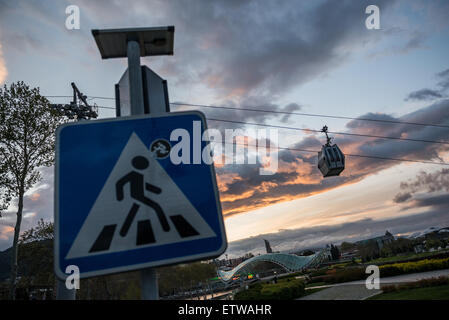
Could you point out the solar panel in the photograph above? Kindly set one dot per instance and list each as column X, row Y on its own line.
column 153, row 41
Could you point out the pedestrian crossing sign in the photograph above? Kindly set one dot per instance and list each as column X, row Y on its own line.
column 122, row 203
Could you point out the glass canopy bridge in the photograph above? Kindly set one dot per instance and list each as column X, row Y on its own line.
column 289, row 262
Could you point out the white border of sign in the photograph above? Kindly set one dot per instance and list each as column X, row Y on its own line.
column 207, row 255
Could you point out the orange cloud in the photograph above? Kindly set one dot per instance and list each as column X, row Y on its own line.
column 35, row 196
column 226, row 178
column 213, row 81
column 5, row 231
column 298, row 177
column 232, row 198
column 3, row 70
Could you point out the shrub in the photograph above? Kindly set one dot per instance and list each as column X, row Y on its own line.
column 412, row 267
column 250, row 294
column 349, row 274
column 285, row 290
column 432, row 282
column 290, row 275
column 331, row 271
column 317, row 273
column 439, row 255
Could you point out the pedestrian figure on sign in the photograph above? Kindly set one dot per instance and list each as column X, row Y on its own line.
column 137, row 188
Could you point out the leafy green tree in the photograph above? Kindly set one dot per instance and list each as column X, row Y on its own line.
column 386, row 251
column 43, row 231
column 121, row 286
column 27, row 139
column 184, row 275
column 335, row 252
column 432, row 243
column 368, row 251
column 36, row 255
column 347, row 246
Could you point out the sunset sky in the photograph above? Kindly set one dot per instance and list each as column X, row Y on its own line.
column 304, row 56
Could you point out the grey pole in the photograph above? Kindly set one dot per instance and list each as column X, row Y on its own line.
column 135, row 78
column 148, row 276
column 62, row 293
column 148, row 283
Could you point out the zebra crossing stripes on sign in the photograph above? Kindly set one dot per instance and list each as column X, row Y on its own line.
column 144, row 210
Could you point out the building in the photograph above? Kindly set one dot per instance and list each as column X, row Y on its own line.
column 381, row 241
column 419, row 248
column 286, row 262
column 267, row 246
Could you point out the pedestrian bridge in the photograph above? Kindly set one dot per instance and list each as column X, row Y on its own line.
column 289, row 262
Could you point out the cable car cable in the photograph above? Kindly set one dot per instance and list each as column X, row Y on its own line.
column 311, row 115
column 284, row 112
column 334, row 132
column 349, row 155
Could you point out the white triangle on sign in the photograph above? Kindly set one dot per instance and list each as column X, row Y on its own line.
column 102, row 231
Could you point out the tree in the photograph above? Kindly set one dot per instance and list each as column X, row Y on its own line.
column 27, row 139
column 172, row 278
column 432, row 243
column 43, row 231
column 368, row 251
column 335, row 253
column 347, row 246
column 35, row 255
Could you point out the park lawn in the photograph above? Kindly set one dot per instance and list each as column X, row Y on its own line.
column 316, row 284
column 427, row 293
column 310, row 291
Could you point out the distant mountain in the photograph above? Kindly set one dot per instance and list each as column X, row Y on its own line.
column 5, row 264
column 24, row 265
column 429, row 231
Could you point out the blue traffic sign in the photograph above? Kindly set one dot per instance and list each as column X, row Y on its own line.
column 135, row 192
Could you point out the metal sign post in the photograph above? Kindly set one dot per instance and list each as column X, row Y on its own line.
column 155, row 41
column 135, row 78
column 62, row 293
column 148, row 277
column 106, row 233
column 173, row 217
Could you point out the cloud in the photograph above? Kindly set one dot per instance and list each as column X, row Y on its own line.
column 437, row 181
column 444, row 80
column 3, row 69
column 424, row 94
column 432, row 94
column 288, row 48
column 38, row 203
column 236, row 113
column 248, row 53
column 6, row 232
column 314, row 237
column 413, row 40
column 436, row 201
column 402, row 197
column 299, row 177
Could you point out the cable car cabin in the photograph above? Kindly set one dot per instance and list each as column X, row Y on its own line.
column 331, row 161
